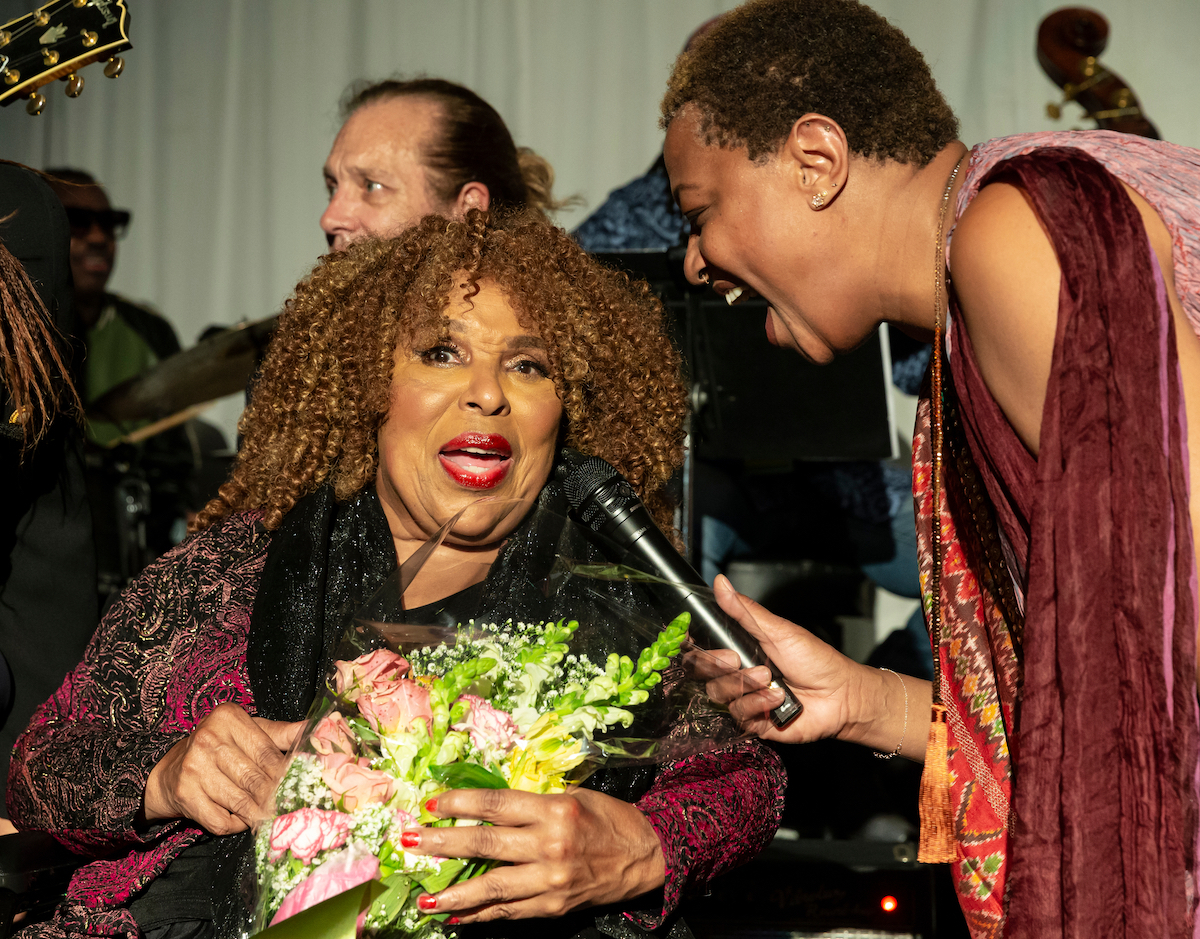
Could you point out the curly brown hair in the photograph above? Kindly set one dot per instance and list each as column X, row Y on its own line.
column 769, row 62
column 324, row 389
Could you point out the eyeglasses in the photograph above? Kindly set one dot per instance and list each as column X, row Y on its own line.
column 113, row 222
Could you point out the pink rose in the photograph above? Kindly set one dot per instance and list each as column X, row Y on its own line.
column 396, row 706
column 332, row 735
column 306, row 832
column 332, row 761
column 488, row 726
column 346, row 869
column 364, row 674
column 356, row 784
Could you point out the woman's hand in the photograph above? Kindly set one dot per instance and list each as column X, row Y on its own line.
column 223, row 774
column 567, row 851
column 841, row 698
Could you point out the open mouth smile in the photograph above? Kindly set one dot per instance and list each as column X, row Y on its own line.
column 734, row 293
column 477, row 461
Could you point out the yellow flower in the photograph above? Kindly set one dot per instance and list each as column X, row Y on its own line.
column 549, row 752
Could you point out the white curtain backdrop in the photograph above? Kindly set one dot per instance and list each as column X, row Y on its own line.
column 215, row 135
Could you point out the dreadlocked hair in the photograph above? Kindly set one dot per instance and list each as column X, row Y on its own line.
column 324, row 389
column 32, row 369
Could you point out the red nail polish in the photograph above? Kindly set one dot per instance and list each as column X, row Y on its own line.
column 431, row 805
column 426, row 902
column 453, row 921
column 409, row 839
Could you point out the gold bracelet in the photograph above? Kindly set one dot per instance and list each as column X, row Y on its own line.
column 900, row 745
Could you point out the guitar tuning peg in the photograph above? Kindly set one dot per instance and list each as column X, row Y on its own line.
column 1053, row 111
column 74, row 85
column 114, row 67
column 37, row 102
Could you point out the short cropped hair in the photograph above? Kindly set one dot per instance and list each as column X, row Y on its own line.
column 769, row 62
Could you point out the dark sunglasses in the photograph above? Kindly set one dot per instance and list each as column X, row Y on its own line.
column 112, row 222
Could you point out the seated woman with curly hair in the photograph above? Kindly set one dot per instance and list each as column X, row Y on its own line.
column 407, row 377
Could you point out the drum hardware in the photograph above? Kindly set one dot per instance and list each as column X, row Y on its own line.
column 144, row 433
column 211, row 369
column 133, row 509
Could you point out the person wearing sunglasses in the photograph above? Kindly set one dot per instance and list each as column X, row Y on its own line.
column 123, row 340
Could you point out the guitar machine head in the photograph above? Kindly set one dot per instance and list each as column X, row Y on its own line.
column 56, row 41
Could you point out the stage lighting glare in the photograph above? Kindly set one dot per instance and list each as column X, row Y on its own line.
column 888, row 904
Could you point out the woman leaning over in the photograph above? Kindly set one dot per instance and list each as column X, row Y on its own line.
column 817, row 162
column 407, row 378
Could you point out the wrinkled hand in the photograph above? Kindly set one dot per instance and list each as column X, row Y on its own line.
column 565, row 851
column 222, row 776
column 825, row 681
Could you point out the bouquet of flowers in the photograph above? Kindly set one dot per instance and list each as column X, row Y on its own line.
column 502, row 706
column 535, row 702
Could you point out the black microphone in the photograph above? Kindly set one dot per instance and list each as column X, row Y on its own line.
column 605, row 503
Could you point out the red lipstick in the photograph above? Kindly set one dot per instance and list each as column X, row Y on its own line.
column 477, row 461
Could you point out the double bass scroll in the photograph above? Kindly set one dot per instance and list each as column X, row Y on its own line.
column 1069, row 44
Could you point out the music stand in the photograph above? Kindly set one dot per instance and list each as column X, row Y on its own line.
column 753, row 401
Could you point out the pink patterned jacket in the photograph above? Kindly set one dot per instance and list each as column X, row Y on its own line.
column 174, row 647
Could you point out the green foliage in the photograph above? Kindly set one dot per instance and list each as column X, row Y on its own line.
column 467, row 776
column 624, row 684
column 390, row 904
column 444, row 876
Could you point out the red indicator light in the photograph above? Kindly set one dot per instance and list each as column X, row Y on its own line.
column 888, row 904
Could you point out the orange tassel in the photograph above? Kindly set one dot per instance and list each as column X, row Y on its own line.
column 937, row 819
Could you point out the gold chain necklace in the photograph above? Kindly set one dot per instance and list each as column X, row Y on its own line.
column 937, row 820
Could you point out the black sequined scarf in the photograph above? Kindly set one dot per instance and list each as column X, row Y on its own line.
column 323, row 563
column 328, row 559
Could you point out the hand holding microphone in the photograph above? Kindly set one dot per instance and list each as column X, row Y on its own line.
column 605, row 503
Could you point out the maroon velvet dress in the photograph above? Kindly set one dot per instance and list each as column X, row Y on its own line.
column 1068, row 651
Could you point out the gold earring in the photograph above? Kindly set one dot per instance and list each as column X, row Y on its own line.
column 819, row 199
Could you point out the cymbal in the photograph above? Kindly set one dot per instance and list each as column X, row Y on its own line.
column 213, row 368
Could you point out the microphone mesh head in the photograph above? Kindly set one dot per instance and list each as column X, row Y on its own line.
column 584, row 479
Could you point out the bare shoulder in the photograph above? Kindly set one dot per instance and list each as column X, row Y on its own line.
column 1006, row 277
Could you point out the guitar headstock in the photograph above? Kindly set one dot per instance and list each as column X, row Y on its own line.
column 56, row 41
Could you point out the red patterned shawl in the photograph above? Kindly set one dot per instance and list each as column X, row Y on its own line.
column 1089, row 828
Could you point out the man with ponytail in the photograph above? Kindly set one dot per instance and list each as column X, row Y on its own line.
column 411, row 148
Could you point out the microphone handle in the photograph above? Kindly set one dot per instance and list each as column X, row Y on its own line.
column 711, row 627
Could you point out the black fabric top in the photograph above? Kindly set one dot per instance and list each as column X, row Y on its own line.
column 329, row 561
column 47, row 561
column 324, row 562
